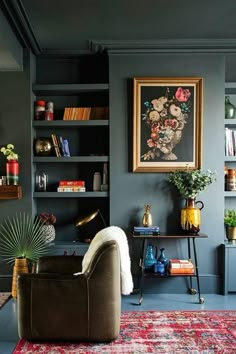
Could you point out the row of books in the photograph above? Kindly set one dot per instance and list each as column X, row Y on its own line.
column 86, row 113
column 181, row 266
column 71, row 186
column 61, row 146
column 146, row 230
column 230, row 142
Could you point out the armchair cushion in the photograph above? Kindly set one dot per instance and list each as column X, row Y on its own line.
column 112, row 233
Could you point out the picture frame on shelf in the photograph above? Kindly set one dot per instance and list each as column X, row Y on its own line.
column 167, row 123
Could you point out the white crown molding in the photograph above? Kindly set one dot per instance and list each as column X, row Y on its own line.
column 164, row 46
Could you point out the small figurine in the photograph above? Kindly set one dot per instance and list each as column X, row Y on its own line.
column 147, row 216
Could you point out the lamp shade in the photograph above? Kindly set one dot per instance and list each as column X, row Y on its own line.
column 84, row 220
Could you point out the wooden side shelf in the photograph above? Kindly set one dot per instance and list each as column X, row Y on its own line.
column 10, row 192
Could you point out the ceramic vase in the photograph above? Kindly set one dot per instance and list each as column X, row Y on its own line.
column 230, row 109
column 191, row 216
column 49, row 233
column 12, row 172
column 20, row 266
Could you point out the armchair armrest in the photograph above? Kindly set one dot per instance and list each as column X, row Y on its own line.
column 60, row 264
column 51, row 303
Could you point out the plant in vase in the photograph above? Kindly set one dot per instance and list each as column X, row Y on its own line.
column 12, row 165
column 47, row 220
column 22, row 242
column 189, row 184
column 230, row 223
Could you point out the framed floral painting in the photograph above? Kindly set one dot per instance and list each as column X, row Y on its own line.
column 167, row 123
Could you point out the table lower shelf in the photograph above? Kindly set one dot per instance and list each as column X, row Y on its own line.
column 167, row 275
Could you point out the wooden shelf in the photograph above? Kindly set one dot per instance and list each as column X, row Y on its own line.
column 68, row 89
column 229, row 194
column 70, row 194
column 71, row 159
column 10, row 192
column 71, row 123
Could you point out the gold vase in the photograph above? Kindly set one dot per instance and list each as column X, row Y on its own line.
column 191, row 216
column 20, row 266
column 231, row 232
column 147, row 216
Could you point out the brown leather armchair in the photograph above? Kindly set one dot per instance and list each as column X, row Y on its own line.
column 54, row 304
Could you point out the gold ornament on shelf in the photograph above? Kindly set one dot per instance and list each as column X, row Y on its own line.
column 147, row 216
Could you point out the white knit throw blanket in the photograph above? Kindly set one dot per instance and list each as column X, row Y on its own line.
column 117, row 234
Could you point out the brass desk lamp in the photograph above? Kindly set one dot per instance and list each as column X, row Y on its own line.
column 86, row 219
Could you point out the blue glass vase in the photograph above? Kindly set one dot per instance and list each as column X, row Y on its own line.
column 162, row 258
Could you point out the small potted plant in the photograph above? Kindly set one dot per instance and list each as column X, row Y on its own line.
column 47, row 220
column 189, row 184
column 22, row 242
column 9, row 152
column 230, row 223
column 12, row 165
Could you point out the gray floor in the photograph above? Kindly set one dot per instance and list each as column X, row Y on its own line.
column 163, row 302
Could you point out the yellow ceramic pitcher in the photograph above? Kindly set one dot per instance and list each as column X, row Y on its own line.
column 191, row 216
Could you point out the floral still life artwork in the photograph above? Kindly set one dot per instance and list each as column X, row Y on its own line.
column 167, row 124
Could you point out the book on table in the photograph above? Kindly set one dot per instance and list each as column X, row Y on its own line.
column 146, row 230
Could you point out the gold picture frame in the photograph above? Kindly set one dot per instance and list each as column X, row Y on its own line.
column 167, row 123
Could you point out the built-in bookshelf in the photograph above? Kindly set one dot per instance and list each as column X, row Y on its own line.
column 230, row 151
column 88, row 141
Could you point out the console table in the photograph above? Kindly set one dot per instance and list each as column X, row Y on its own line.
column 188, row 237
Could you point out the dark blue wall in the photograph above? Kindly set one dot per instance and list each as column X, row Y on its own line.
column 130, row 191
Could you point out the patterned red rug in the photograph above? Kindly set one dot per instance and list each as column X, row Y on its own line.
column 4, row 297
column 172, row 332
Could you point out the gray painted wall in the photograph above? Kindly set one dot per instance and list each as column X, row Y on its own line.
column 11, row 52
column 130, row 191
column 15, row 128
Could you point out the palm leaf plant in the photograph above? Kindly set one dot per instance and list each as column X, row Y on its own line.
column 22, row 237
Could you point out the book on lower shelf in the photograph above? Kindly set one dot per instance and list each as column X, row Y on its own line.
column 146, row 230
column 180, row 263
column 181, row 271
column 181, row 266
column 146, row 233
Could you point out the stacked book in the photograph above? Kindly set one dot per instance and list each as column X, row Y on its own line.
column 85, row 113
column 71, row 186
column 181, row 266
column 146, row 230
column 230, row 142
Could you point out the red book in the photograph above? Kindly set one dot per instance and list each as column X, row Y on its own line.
column 72, row 183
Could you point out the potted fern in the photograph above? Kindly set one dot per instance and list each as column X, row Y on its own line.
column 22, row 242
column 230, row 223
